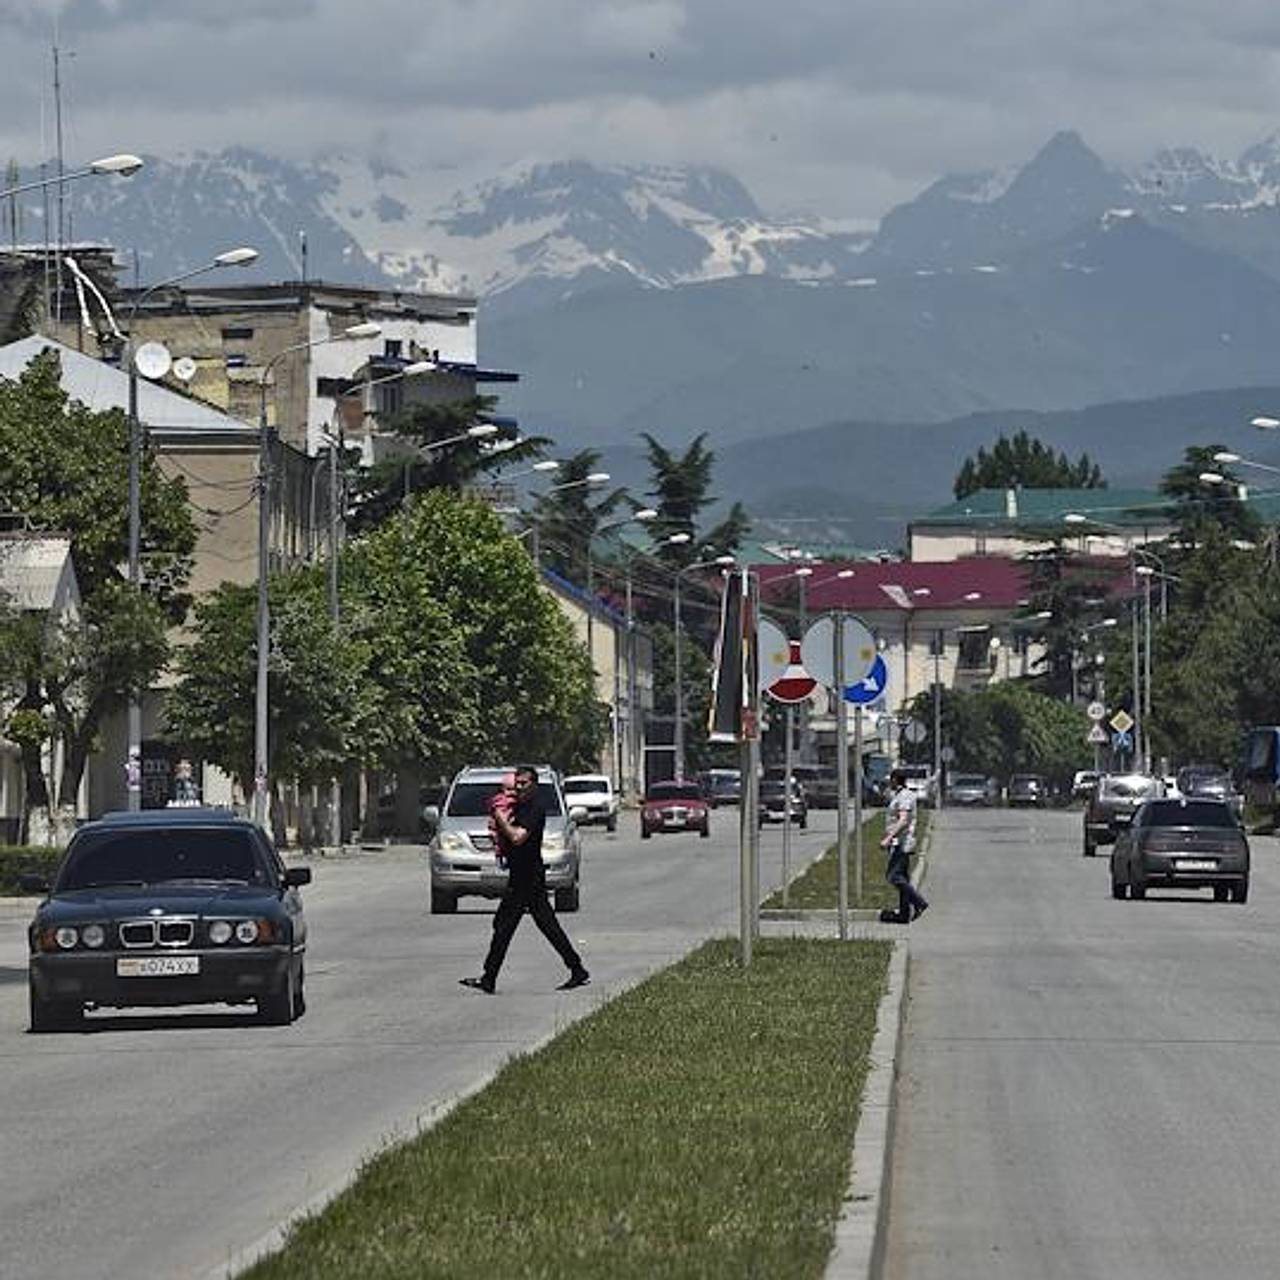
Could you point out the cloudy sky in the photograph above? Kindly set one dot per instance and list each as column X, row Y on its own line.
column 841, row 107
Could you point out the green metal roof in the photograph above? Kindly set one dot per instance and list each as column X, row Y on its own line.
column 1039, row 507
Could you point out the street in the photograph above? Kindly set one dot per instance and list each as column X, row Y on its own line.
column 165, row 1145
column 1087, row 1087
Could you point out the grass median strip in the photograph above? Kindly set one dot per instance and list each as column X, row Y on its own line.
column 699, row 1124
column 819, row 885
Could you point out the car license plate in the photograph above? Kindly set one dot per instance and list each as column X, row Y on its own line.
column 1196, row 864
column 157, row 966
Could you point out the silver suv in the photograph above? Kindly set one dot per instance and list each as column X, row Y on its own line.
column 462, row 854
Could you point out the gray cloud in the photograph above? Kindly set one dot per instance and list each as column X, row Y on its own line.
column 840, row 106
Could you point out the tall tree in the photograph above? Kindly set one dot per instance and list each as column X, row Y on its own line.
column 680, row 487
column 1022, row 462
column 65, row 468
column 381, row 490
column 567, row 517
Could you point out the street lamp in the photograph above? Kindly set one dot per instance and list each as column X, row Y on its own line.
column 261, row 748
column 642, row 516
column 240, row 257
column 122, row 165
column 724, row 562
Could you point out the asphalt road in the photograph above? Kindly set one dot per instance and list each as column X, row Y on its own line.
column 166, row 1145
column 1089, row 1088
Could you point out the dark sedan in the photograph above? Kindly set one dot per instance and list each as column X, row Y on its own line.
column 1182, row 844
column 168, row 907
column 1112, row 804
column 774, row 806
column 1028, row 789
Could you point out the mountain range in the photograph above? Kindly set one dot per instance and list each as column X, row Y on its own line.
column 664, row 299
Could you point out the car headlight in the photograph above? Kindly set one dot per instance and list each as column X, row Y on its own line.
column 453, row 842
column 248, row 930
column 219, row 932
column 66, row 936
column 93, row 935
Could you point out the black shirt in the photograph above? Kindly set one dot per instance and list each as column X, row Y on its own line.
column 529, row 815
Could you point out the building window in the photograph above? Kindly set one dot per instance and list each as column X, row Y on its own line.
column 236, row 334
column 392, row 348
column 976, row 653
column 239, row 361
column 390, row 399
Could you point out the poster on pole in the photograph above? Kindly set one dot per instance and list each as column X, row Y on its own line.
column 735, row 690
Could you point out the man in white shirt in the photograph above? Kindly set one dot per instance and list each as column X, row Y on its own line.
column 900, row 843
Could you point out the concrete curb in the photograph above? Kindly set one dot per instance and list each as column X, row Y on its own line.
column 858, row 1251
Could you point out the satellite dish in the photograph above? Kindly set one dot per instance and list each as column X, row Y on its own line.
column 184, row 368
column 152, row 360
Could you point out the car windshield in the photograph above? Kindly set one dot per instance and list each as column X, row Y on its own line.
column 968, row 780
column 582, row 786
column 98, row 859
column 471, row 799
column 674, row 791
column 1187, row 813
column 1204, row 782
column 1130, row 788
column 724, row 782
column 915, row 772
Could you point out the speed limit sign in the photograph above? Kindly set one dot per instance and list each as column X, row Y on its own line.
column 1096, row 711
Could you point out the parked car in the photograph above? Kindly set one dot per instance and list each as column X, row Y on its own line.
column 1113, row 804
column 920, row 779
column 1188, row 843
column 464, row 859
column 674, row 806
column 773, row 800
column 722, row 786
column 167, row 907
column 1027, row 790
column 1083, row 783
column 972, row 789
column 594, row 793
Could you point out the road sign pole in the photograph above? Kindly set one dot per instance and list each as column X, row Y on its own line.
column 746, row 817
column 786, row 812
column 842, row 779
column 857, row 804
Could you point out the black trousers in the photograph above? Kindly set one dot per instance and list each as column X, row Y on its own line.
column 898, row 873
column 527, row 895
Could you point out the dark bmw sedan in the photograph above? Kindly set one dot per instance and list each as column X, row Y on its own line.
column 1182, row 844
column 168, row 907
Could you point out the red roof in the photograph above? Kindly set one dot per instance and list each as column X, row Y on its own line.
column 998, row 581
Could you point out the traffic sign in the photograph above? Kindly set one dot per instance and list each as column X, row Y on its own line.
column 1096, row 734
column 817, row 650
column 947, row 754
column 871, row 687
column 915, row 732
column 1096, row 712
column 775, row 652
column 1122, row 721
column 1122, row 741
column 795, row 684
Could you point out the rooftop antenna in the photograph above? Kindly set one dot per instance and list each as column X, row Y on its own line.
column 57, row 118
column 302, row 241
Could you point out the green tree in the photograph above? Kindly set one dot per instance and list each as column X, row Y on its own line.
column 680, row 487
column 65, row 468
column 1025, row 463
column 379, row 492
column 567, row 519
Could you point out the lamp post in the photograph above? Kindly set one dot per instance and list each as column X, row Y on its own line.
column 122, row 165
column 231, row 258
column 261, row 746
column 335, row 520
column 724, row 562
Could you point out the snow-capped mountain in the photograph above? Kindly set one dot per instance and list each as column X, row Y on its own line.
column 569, row 224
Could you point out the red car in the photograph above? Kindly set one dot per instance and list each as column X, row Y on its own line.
column 675, row 806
